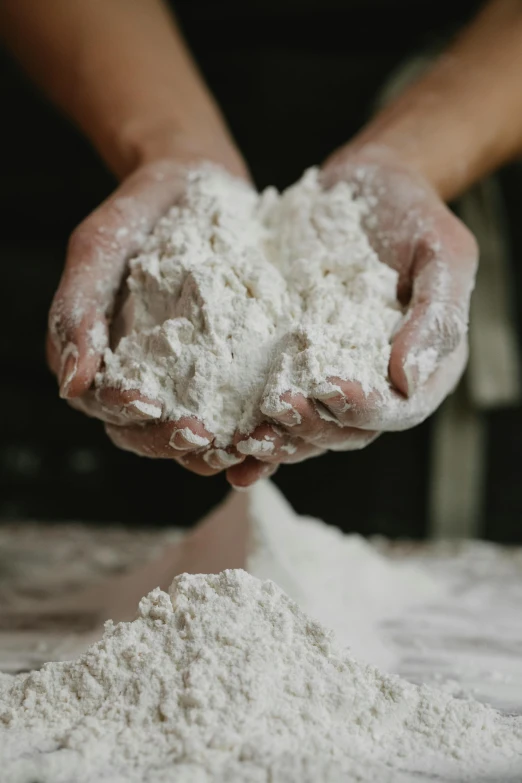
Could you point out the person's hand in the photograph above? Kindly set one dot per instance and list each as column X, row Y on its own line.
column 80, row 322
column 435, row 256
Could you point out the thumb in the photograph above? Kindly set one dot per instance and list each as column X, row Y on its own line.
column 436, row 321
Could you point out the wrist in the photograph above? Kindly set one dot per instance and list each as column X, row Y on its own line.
column 362, row 152
column 402, row 145
column 186, row 143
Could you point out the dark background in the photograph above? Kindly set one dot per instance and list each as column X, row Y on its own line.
column 295, row 79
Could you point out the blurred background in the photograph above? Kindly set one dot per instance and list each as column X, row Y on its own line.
column 295, row 79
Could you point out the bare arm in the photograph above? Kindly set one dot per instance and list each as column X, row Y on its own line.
column 463, row 119
column 120, row 69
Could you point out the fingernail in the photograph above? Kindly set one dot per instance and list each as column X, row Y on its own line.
column 326, row 396
column 220, row 459
column 68, row 368
column 325, row 414
column 239, row 489
column 289, row 417
column 411, row 375
column 335, row 402
column 282, row 411
column 252, row 447
column 146, row 410
column 185, row 440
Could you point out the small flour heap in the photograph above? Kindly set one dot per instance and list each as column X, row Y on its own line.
column 238, row 297
column 226, row 679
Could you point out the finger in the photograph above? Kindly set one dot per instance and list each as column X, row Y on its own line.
column 321, row 426
column 273, row 445
column 96, row 261
column 251, row 470
column 129, row 404
column 411, row 411
column 221, row 459
column 393, row 411
column 436, row 321
column 122, row 408
column 163, row 440
column 264, row 442
column 122, row 415
column 90, row 406
column 350, row 404
column 298, row 413
column 197, row 464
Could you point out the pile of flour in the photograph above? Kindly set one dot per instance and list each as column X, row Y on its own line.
column 226, row 679
column 239, row 297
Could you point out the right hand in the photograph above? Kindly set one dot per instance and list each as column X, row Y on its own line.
column 80, row 316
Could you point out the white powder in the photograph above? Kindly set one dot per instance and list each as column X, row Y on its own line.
column 238, row 298
column 228, row 680
column 340, row 580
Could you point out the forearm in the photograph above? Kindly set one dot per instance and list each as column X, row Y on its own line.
column 120, row 69
column 462, row 119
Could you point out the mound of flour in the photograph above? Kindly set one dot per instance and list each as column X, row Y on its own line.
column 239, row 297
column 226, row 679
column 338, row 579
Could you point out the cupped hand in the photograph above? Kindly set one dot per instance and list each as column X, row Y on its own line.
column 435, row 257
column 81, row 314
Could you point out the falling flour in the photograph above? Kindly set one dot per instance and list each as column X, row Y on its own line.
column 340, row 580
column 238, row 297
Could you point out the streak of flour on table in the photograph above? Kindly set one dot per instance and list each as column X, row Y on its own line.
column 469, row 637
column 238, row 298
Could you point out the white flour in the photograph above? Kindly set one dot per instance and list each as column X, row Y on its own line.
column 228, row 680
column 340, row 580
column 238, row 298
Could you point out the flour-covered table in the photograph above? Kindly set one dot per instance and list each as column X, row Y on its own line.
column 469, row 639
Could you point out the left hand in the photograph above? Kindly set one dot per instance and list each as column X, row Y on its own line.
column 435, row 256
